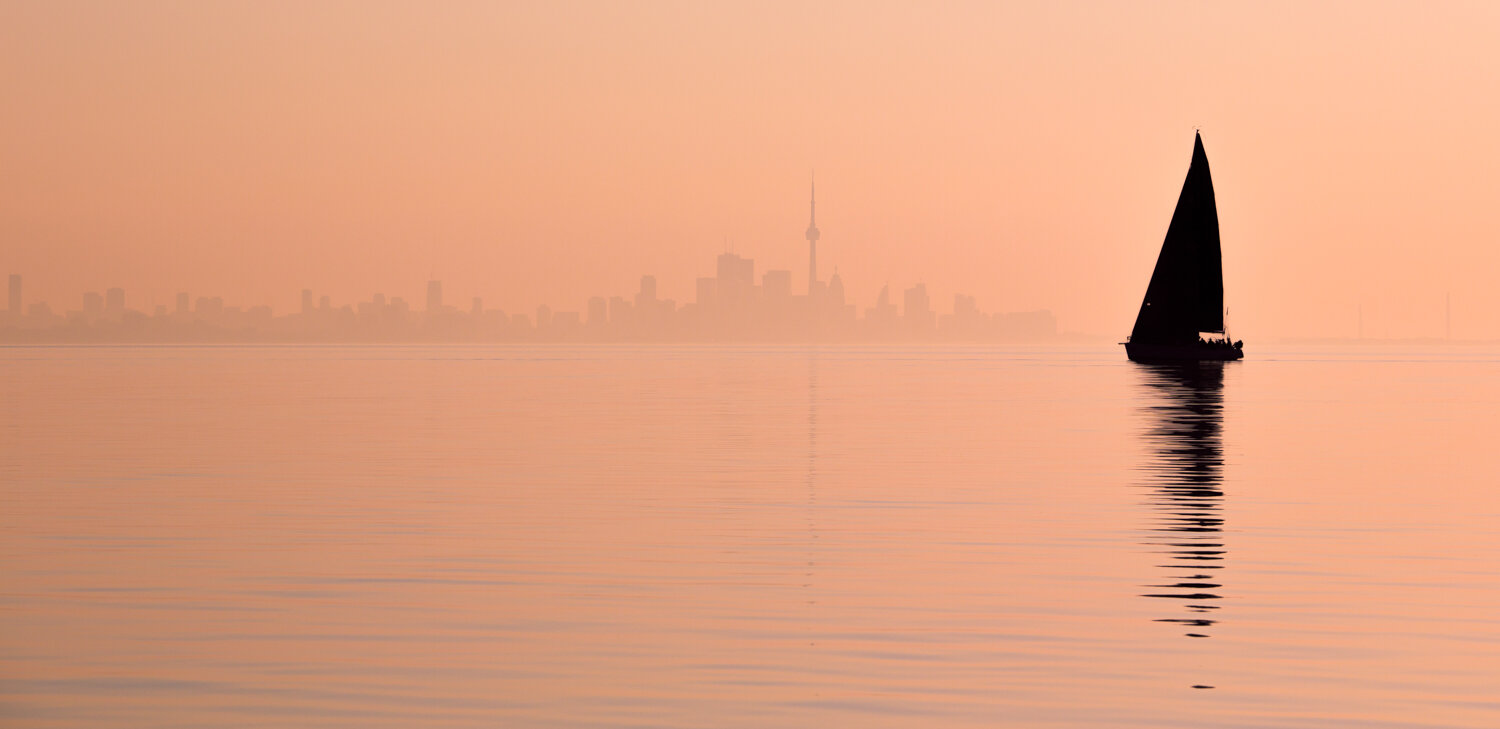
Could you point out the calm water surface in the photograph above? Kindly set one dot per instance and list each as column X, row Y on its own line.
column 747, row 537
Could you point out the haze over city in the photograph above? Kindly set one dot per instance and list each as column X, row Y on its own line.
column 688, row 363
column 533, row 154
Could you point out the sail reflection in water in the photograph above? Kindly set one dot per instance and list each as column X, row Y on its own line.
column 1186, row 406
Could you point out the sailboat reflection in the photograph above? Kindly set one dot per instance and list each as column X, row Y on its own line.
column 1186, row 404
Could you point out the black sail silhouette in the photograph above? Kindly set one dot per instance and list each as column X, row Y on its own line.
column 1186, row 295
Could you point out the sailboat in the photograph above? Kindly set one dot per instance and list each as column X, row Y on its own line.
column 1182, row 316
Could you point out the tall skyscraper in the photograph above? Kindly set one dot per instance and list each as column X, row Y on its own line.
column 434, row 295
column 812, row 243
column 736, row 270
column 648, row 309
column 918, row 310
column 736, row 284
column 598, row 311
column 836, row 288
column 15, row 296
column 307, row 301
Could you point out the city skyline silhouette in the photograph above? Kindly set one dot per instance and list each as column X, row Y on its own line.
column 732, row 305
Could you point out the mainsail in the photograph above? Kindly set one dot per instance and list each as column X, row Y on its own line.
column 1186, row 294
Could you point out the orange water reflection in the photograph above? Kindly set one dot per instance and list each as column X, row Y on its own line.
column 742, row 536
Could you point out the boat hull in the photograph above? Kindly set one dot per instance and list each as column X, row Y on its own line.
column 1198, row 352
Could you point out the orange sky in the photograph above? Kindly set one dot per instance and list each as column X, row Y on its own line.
column 541, row 153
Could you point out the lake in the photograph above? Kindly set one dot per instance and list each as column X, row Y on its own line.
column 662, row 536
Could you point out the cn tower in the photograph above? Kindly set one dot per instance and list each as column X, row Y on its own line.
column 812, row 243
